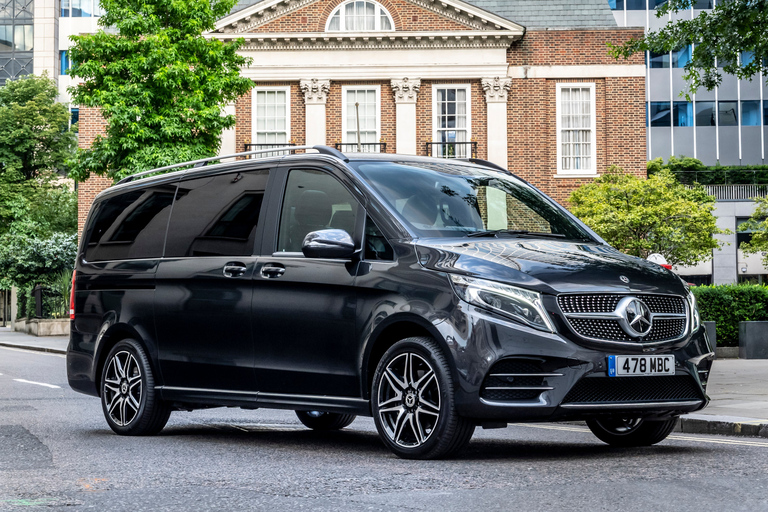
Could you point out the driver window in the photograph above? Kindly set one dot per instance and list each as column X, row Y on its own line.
column 313, row 201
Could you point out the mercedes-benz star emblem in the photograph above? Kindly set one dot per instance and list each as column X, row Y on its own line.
column 635, row 317
column 624, row 279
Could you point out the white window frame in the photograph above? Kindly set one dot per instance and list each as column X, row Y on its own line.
column 592, row 171
column 341, row 10
column 254, row 130
column 436, row 114
column 344, row 126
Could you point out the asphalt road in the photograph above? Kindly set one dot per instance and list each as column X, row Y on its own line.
column 57, row 453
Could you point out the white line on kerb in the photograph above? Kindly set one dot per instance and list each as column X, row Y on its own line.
column 38, row 383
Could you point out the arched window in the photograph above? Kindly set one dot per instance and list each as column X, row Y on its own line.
column 360, row 16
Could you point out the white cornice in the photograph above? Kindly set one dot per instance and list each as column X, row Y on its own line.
column 461, row 12
column 372, row 40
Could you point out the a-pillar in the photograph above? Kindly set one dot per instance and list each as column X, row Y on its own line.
column 315, row 96
column 496, row 92
column 406, row 91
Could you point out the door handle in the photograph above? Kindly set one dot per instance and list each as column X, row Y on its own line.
column 272, row 270
column 234, row 269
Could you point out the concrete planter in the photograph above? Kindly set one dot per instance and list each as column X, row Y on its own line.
column 20, row 325
column 753, row 340
column 48, row 327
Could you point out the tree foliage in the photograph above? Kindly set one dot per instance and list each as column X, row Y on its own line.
column 758, row 225
column 34, row 129
column 732, row 29
column 26, row 260
column 645, row 216
column 161, row 86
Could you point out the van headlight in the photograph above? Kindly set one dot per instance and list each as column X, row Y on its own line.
column 516, row 303
column 695, row 317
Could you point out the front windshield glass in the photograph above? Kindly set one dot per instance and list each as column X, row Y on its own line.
column 450, row 199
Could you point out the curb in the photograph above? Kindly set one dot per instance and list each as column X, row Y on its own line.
column 722, row 425
column 49, row 350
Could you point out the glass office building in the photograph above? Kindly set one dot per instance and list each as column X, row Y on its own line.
column 727, row 124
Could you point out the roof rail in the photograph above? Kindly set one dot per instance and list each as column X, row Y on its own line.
column 486, row 163
column 323, row 150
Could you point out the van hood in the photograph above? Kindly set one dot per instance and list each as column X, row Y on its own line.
column 548, row 266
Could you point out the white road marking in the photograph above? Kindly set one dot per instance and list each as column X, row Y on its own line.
column 38, row 383
column 27, row 351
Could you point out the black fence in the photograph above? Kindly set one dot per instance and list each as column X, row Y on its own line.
column 365, row 147
column 452, row 149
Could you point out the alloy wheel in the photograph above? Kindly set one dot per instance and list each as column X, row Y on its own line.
column 409, row 400
column 123, row 388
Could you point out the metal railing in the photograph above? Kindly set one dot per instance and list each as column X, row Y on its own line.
column 452, row 149
column 736, row 192
column 253, row 147
column 365, row 147
column 723, row 176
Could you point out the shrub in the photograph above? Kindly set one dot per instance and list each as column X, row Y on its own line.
column 727, row 305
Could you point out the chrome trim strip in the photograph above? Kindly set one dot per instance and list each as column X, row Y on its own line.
column 539, row 403
column 525, row 375
column 523, row 388
column 696, row 360
column 633, row 405
column 265, row 396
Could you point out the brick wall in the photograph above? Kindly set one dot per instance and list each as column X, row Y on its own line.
column 405, row 15
column 91, row 124
column 570, row 47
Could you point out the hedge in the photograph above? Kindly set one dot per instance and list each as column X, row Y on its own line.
column 729, row 304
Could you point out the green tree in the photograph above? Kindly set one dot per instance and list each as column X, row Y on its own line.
column 758, row 225
column 161, row 86
column 732, row 35
column 34, row 130
column 645, row 216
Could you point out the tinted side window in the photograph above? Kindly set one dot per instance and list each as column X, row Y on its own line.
column 376, row 246
column 216, row 215
column 313, row 201
column 130, row 226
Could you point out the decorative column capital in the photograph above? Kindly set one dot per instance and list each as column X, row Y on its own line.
column 406, row 90
column 496, row 89
column 315, row 91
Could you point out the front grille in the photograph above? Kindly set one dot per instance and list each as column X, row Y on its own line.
column 609, row 329
column 515, row 379
column 606, row 390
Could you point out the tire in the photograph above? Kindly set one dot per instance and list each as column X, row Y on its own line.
column 631, row 431
column 413, row 405
column 317, row 420
column 128, row 398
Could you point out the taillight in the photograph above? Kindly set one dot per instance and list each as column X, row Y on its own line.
column 72, row 298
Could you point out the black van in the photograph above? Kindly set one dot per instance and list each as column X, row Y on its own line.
column 434, row 295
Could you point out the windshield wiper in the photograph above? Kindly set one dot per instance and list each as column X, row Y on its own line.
column 513, row 232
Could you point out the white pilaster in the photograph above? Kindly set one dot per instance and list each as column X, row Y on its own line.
column 496, row 92
column 228, row 136
column 315, row 96
column 406, row 92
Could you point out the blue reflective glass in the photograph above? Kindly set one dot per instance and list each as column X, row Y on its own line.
column 747, row 58
column 64, row 62
column 656, row 3
column 682, row 113
column 750, row 113
column 681, row 57
column 702, row 4
column 636, row 5
column 659, row 113
column 705, row 113
column 75, row 115
column 728, row 113
column 659, row 60
column 765, row 112
column 616, row 5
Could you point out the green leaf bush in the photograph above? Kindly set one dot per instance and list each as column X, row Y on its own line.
column 727, row 305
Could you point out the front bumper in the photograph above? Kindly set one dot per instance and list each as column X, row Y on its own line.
column 512, row 373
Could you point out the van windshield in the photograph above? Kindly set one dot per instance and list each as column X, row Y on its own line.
column 450, row 199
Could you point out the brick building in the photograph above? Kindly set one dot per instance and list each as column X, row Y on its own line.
column 525, row 84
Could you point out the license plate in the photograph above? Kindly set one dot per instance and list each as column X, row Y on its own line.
column 620, row 366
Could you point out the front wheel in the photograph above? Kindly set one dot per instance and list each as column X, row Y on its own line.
column 318, row 420
column 631, row 431
column 413, row 402
column 128, row 397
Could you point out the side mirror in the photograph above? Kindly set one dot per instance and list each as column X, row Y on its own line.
column 328, row 243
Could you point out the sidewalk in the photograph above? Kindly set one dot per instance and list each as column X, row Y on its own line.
column 738, row 389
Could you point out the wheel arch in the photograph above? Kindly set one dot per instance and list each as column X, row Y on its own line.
column 112, row 335
column 391, row 331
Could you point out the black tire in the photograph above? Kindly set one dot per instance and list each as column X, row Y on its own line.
column 318, row 420
column 631, row 431
column 128, row 398
column 416, row 417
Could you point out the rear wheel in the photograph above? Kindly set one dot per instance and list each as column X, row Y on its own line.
column 128, row 397
column 318, row 420
column 413, row 402
column 631, row 431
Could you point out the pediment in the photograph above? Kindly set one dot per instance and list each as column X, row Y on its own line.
column 458, row 16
